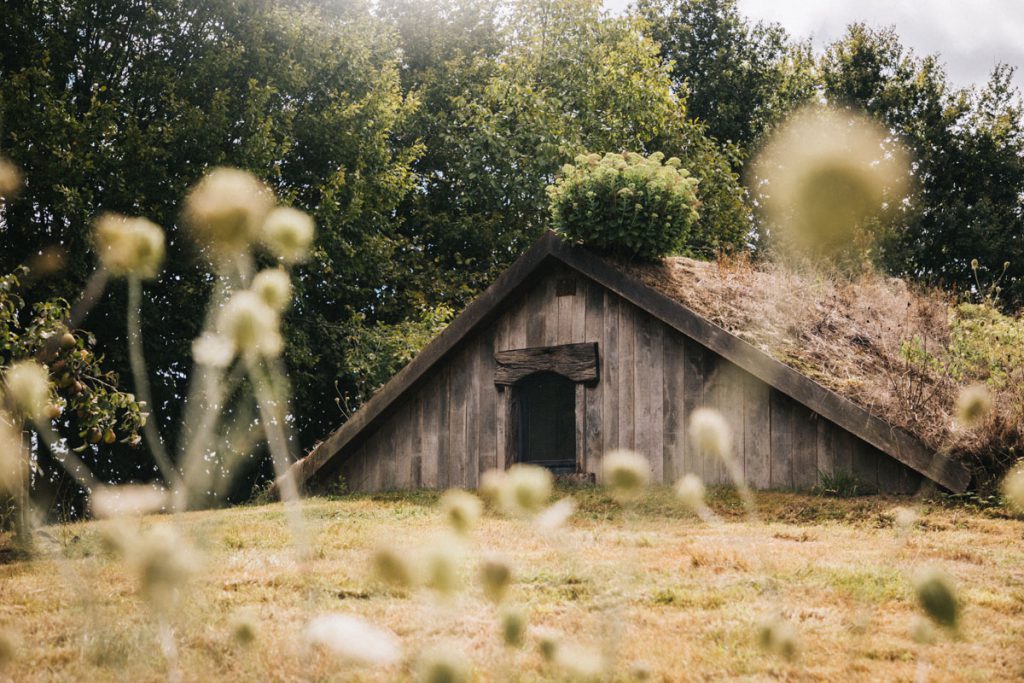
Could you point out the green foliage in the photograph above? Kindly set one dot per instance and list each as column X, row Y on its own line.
column 986, row 345
column 841, row 484
column 86, row 398
column 625, row 203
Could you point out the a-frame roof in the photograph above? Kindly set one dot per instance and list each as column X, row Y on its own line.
column 892, row 440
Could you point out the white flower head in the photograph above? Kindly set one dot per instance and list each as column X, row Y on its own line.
column 213, row 350
column 354, row 639
column 495, row 578
column 392, row 566
column 710, row 433
column 904, row 518
column 13, row 459
column 226, row 209
column 10, row 179
column 443, row 664
column 690, row 490
column 461, row 509
column 1013, row 489
column 251, row 325
column 555, row 515
column 27, row 387
column 130, row 500
column 274, row 287
column 491, row 484
column 777, row 635
column 287, row 233
column 129, row 246
column 626, row 473
column 163, row 563
column 440, row 568
column 973, row 405
column 580, row 663
column 525, row 489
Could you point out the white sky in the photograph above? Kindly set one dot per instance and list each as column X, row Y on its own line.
column 971, row 36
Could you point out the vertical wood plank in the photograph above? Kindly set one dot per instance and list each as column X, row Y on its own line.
column 564, row 306
column 579, row 310
column 714, row 383
column 826, row 448
column 537, row 314
column 430, row 430
column 647, row 392
column 782, row 441
column 865, row 464
column 474, row 371
column 610, row 375
column 757, row 432
column 673, row 406
column 402, row 455
column 581, row 427
column 693, row 398
column 386, row 457
column 627, row 368
column 459, row 386
column 486, row 405
column 594, row 396
column 805, row 448
column 443, row 428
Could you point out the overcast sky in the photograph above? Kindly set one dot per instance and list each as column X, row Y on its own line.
column 971, row 36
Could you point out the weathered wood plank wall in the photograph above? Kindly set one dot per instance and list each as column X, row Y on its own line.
column 454, row 425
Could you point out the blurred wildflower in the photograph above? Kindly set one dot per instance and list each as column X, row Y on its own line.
column 7, row 649
column 640, row 671
column 626, row 473
column 392, row 567
column 904, row 518
column 287, row 234
column 461, row 509
column 443, row 664
column 491, row 484
column 354, row 640
column 922, row 631
column 213, row 350
column 778, row 636
column 27, row 387
column 495, row 578
column 12, row 467
column 163, row 563
column 129, row 246
column 525, row 489
column 548, row 643
column 690, row 490
column 826, row 173
column 709, row 432
column 226, row 209
column 10, row 179
column 580, row 663
column 251, row 325
column 513, row 626
column 244, row 628
column 129, row 500
column 555, row 515
column 937, row 596
column 1013, row 489
column 973, row 404
column 274, row 287
column 441, row 568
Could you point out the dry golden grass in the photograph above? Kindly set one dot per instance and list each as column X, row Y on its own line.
column 651, row 583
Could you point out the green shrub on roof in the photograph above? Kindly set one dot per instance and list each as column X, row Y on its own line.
column 626, row 204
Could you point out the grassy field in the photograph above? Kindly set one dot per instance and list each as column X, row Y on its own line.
column 657, row 590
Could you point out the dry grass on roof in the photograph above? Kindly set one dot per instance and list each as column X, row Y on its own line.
column 851, row 336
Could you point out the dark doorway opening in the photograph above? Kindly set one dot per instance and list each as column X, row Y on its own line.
column 546, row 424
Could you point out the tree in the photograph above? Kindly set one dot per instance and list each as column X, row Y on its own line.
column 968, row 151
column 739, row 79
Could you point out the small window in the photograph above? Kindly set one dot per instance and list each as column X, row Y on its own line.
column 546, row 426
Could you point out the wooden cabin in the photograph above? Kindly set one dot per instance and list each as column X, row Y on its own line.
column 566, row 357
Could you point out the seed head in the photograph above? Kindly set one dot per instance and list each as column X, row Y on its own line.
column 251, row 325
column 244, row 628
column 973, row 405
column 778, row 636
column 548, row 643
column 7, row 649
column 555, row 515
column 213, row 350
column 287, row 234
column 392, row 567
column 1013, row 489
column 690, row 490
column 27, row 386
column 526, row 489
column 580, row 663
column 441, row 569
column 129, row 500
column 354, row 640
column 495, row 578
column 163, row 564
column 274, row 287
column 904, row 518
column 462, row 509
column 225, row 211
column 492, row 482
column 513, row 626
column 710, row 433
column 10, row 179
column 443, row 664
column 13, row 459
column 626, row 473
column 129, row 246
column 937, row 596
column 922, row 631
